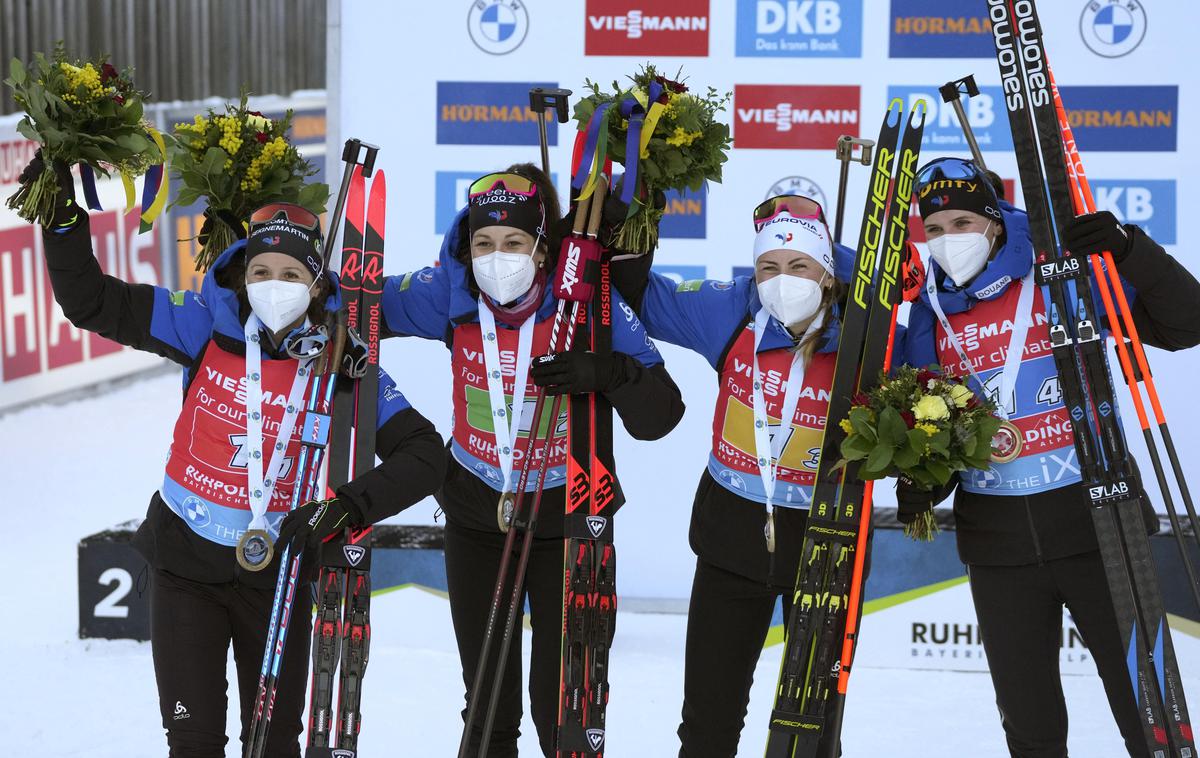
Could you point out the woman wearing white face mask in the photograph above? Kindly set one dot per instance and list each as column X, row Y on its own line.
column 779, row 328
column 1023, row 526
column 231, row 340
column 491, row 300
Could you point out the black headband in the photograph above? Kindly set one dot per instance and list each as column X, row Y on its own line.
column 499, row 207
column 282, row 236
column 973, row 194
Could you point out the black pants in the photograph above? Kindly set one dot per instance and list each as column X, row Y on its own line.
column 191, row 627
column 1020, row 616
column 727, row 626
column 472, row 562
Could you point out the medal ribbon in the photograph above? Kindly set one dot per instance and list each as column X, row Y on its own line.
column 1022, row 320
column 506, row 433
column 260, row 489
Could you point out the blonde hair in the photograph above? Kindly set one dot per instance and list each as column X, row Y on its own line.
column 831, row 295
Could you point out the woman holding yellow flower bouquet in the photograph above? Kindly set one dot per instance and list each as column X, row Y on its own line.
column 1022, row 520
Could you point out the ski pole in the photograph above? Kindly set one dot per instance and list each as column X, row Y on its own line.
column 542, row 99
column 845, row 154
column 1116, row 303
column 352, row 155
column 952, row 93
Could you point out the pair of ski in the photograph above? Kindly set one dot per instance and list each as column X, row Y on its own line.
column 821, row 630
column 340, row 418
column 589, row 560
column 1110, row 480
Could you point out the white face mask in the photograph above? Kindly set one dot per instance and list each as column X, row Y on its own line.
column 962, row 256
column 278, row 303
column 504, row 276
column 790, row 299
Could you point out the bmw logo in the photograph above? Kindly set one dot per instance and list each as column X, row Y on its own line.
column 985, row 478
column 733, row 479
column 197, row 512
column 487, row 472
column 796, row 185
column 497, row 27
column 1112, row 28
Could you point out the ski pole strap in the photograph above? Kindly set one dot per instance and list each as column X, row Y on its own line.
column 1006, row 403
column 506, row 422
column 594, row 149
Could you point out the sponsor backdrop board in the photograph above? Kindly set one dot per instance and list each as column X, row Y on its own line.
column 41, row 353
column 802, row 73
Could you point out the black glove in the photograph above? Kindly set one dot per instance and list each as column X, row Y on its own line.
column 66, row 215
column 577, row 371
column 1094, row 233
column 313, row 523
column 913, row 499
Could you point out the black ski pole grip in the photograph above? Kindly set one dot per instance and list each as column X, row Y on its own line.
column 353, row 153
column 542, row 98
column 951, row 91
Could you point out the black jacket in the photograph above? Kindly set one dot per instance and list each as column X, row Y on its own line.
column 407, row 444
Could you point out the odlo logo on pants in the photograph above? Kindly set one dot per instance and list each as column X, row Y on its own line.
column 181, row 712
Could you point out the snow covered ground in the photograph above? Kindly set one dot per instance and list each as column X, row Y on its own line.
column 74, row 469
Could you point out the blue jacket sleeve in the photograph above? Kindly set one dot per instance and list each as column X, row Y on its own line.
column 700, row 315
column 916, row 346
column 417, row 304
column 629, row 335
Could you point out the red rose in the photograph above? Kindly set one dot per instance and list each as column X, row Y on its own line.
column 670, row 85
column 909, row 418
column 118, row 99
column 860, row 399
column 261, row 137
column 108, row 73
column 924, row 375
column 256, row 113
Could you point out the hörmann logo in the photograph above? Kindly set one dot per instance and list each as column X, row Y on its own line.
column 793, row 116
column 645, row 27
column 489, row 113
column 939, row 29
column 1123, row 118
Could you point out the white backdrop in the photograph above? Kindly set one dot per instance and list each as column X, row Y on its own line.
column 387, row 60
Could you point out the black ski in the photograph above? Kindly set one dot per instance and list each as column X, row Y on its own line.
column 1110, row 480
column 814, row 630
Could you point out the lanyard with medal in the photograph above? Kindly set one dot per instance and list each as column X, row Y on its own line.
column 768, row 448
column 505, row 423
column 1007, row 442
column 255, row 549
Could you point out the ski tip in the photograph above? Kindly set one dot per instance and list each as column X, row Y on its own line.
column 916, row 116
column 895, row 112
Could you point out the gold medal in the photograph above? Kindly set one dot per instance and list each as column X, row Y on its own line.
column 254, row 550
column 504, row 511
column 1006, row 442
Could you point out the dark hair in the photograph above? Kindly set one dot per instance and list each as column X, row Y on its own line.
column 550, row 234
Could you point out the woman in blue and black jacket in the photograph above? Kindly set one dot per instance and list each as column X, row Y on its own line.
column 231, row 468
column 778, row 329
column 1024, row 526
column 491, row 300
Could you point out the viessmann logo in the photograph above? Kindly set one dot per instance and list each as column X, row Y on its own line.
column 489, row 113
column 793, row 116
column 646, row 27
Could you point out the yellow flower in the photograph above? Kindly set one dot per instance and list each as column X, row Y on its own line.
column 926, row 427
column 846, row 426
column 259, row 123
column 682, row 137
column 961, row 395
column 931, row 407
